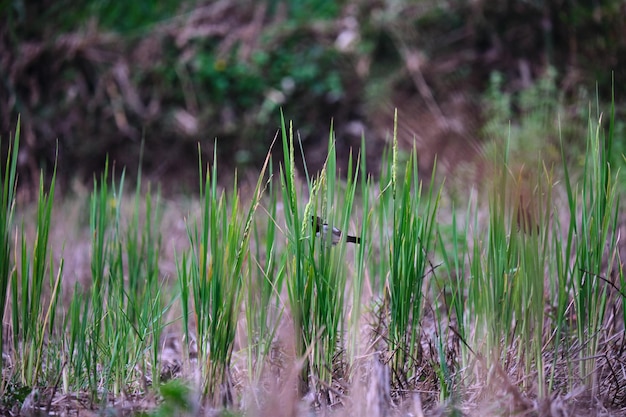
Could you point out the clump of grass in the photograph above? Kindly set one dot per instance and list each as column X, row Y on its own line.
column 114, row 328
column 318, row 269
column 595, row 240
column 7, row 206
column 536, row 291
column 410, row 247
column 265, row 279
column 215, row 273
column 31, row 323
column 32, row 317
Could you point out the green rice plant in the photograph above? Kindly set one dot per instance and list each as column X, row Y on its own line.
column 333, row 202
column 409, row 248
column 32, row 322
column 560, row 289
column 214, row 270
column 493, row 284
column 300, row 285
column 182, row 273
column 317, row 268
column 496, row 294
column 154, row 306
column 114, row 332
column 453, row 247
column 595, row 243
column 216, row 288
column 363, row 253
column 526, row 258
column 508, row 269
column 75, row 354
column 8, row 178
column 264, row 283
column 91, row 313
column 119, row 314
column 381, row 221
column 535, row 258
column 94, row 307
column 139, row 291
column 93, row 340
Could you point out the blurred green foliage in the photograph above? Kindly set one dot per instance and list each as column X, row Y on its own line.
column 28, row 18
column 100, row 75
column 294, row 66
column 304, row 10
column 537, row 109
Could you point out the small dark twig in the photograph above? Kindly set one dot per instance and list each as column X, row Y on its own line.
column 593, row 274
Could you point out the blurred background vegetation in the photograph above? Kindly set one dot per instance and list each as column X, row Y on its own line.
column 98, row 77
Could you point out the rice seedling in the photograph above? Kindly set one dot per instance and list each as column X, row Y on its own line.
column 215, row 273
column 264, row 281
column 7, row 207
column 30, row 323
column 409, row 249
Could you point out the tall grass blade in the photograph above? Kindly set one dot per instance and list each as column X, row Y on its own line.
column 8, row 178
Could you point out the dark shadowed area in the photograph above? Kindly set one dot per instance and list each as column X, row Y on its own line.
column 95, row 79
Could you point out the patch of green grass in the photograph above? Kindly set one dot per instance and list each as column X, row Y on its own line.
column 7, row 206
